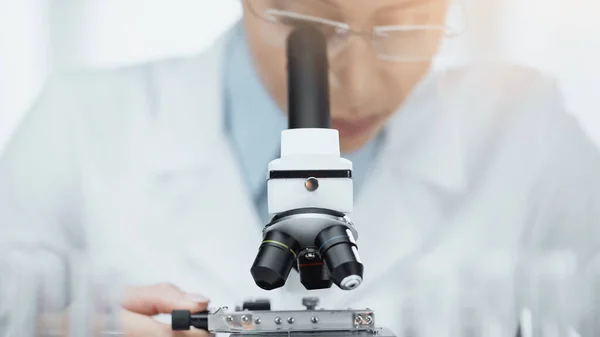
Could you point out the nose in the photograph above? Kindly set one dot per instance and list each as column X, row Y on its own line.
column 355, row 74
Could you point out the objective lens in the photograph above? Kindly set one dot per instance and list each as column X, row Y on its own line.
column 338, row 249
column 274, row 261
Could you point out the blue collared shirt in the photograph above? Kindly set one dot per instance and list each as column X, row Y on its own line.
column 254, row 123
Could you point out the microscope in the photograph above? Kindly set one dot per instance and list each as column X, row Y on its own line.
column 310, row 193
column 309, row 188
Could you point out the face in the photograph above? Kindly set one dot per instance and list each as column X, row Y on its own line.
column 378, row 50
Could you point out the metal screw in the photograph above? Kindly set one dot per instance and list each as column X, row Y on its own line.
column 229, row 318
column 369, row 319
column 257, row 320
column 290, row 320
column 277, row 320
column 358, row 320
column 245, row 319
column 315, row 319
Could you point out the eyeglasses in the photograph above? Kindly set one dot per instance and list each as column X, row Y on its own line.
column 396, row 43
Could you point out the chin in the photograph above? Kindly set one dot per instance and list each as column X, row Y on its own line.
column 354, row 136
column 348, row 144
column 353, row 142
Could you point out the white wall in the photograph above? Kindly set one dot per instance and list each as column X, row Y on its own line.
column 113, row 32
column 559, row 36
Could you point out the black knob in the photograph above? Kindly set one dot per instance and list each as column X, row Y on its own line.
column 181, row 320
column 261, row 304
column 310, row 302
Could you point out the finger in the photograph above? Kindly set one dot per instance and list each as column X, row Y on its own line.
column 138, row 325
column 161, row 299
column 54, row 324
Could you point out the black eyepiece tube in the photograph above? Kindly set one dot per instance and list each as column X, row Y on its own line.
column 308, row 79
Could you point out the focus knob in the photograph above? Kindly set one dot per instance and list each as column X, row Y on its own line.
column 310, row 302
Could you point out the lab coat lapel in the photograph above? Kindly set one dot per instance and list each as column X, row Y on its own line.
column 400, row 213
column 198, row 181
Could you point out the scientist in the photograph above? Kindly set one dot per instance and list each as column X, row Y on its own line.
column 158, row 170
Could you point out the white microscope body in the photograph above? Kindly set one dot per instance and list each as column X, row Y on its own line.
column 307, row 151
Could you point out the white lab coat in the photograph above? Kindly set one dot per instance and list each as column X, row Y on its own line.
column 133, row 165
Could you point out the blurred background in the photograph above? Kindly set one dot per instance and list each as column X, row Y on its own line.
column 561, row 37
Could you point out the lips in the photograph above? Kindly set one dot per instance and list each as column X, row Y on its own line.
column 355, row 127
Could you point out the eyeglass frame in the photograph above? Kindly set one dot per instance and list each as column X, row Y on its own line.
column 345, row 31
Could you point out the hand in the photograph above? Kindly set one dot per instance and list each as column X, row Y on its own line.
column 140, row 303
